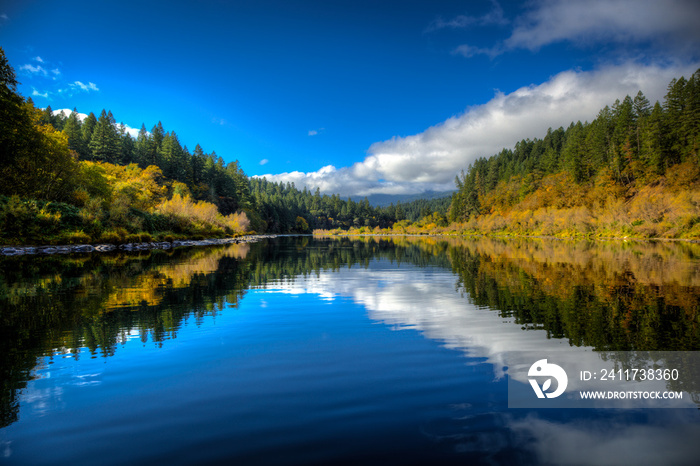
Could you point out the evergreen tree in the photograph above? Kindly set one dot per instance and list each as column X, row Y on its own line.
column 13, row 114
column 155, row 141
column 172, row 157
column 652, row 136
column 88, row 128
column 104, row 143
column 142, row 145
column 674, row 106
column 127, row 146
column 691, row 118
column 573, row 152
column 197, row 162
column 73, row 131
column 46, row 117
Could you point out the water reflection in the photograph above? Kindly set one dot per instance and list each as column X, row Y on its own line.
column 397, row 297
column 486, row 299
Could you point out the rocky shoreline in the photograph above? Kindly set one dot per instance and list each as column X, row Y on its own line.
column 87, row 248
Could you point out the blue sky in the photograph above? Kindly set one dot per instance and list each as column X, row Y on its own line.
column 356, row 97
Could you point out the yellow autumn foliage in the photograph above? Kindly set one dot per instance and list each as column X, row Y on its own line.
column 185, row 209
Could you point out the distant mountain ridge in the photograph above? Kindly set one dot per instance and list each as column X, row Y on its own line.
column 384, row 200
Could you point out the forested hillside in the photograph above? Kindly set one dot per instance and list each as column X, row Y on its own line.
column 72, row 179
column 285, row 208
column 66, row 180
column 634, row 170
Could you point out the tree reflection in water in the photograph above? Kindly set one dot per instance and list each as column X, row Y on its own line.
column 605, row 295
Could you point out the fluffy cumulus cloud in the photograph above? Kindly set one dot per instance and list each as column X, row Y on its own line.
column 431, row 159
column 67, row 111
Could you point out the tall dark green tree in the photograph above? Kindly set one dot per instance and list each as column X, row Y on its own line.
column 155, row 141
column 73, row 131
column 127, row 146
column 88, row 128
column 104, row 143
column 172, row 157
column 674, row 106
column 142, row 143
column 15, row 120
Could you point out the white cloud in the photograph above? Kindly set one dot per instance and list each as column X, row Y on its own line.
column 133, row 132
column 314, row 132
column 4, row 17
column 671, row 24
column 84, row 87
column 39, row 59
column 34, row 69
column 264, row 162
column 67, row 111
column 77, row 86
column 36, row 93
column 605, row 20
column 431, row 159
column 218, row 121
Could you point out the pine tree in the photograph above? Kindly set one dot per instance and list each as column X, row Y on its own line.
column 197, row 162
column 691, row 118
column 573, row 153
column 104, row 143
column 46, row 117
column 73, row 132
column 155, row 141
column 142, row 144
column 88, row 128
column 127, row 146
column 15, row 120
column 652, row 152
column 674, row 105
column 172, row 157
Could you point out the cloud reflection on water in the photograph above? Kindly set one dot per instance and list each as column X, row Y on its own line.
column 427, row 301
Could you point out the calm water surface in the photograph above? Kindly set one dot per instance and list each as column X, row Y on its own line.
column 313, row 351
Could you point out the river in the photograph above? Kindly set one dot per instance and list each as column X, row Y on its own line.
column 374, row 350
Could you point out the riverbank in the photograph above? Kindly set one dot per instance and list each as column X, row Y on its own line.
column 425, row 234
column 127, row 247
